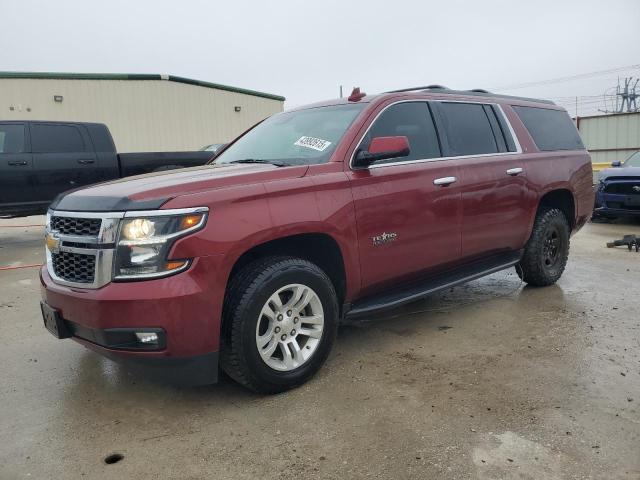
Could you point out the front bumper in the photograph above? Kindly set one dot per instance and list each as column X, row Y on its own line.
column 185, row 309
column 615, row 205
column 615, row 212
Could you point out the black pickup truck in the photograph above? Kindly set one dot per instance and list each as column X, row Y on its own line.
column 41, row 159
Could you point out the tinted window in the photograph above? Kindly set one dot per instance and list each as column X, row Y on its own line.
column 495, row 127
column 467, row 129
column 412, row 120
column 504, row 127
column 550, row 129
column 12, row 138
column 56, row 139
column 100, row 137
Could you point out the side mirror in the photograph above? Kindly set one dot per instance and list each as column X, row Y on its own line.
column 617, row 163
column 382, row 148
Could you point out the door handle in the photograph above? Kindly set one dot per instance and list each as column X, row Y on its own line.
column 17, row 163
column 85, row 162
column 514, row 171
column 444, row 181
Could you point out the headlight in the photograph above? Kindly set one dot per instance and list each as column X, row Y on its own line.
column 144, row 242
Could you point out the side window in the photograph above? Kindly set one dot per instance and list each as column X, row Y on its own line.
column 56, row 139
column 495, row 127
column 504, row 127
column 467, row 129
column 412, row 120
column 550, row 129
column 12, row 138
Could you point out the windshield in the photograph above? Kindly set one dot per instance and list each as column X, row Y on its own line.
column 633, row 160
column 302, row 137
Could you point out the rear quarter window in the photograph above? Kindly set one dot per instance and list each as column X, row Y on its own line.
column 100, row 137
column 550, row 129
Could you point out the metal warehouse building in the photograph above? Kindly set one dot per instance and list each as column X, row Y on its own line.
column 143, row 112
column 610, row 137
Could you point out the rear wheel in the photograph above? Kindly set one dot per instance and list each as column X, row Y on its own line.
column 281, row 319
column 547, row 251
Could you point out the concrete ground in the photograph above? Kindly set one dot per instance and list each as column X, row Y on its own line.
column 492, row 380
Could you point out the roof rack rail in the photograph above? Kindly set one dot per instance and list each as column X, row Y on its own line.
column 481, row 92
column 413, row 89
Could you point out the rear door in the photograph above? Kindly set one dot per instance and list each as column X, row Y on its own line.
column 16, row 165
column 406, row 223
column 63, row 158
column 493, row 179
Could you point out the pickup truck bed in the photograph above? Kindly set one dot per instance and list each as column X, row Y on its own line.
column 40, row 160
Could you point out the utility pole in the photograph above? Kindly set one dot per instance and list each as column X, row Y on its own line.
column 628, row 96
column 340, row 91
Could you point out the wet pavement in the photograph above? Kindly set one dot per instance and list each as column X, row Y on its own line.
column 491, row 380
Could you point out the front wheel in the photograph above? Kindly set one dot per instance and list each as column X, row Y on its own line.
column 547, row 251
column 281, row 318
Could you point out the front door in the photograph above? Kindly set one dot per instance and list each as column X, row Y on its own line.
column 406, row 223
column 16, row 167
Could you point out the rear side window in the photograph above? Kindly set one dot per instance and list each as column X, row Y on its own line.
column 100, row 137
column 467, row 128
column 56, row 139
column 550, row 129
column 412, row 120
column 12, row 138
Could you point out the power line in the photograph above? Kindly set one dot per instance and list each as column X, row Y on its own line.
column 581, row 102
column 573, row 97
column 566, row 79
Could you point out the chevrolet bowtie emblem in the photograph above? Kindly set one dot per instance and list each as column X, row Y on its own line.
column 53, row 242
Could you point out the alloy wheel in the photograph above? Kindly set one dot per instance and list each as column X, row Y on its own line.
column 290, row 327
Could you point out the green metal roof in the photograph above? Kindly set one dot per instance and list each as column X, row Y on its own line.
column 135, row 76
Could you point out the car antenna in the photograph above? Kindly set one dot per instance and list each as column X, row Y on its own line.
column 356, row 95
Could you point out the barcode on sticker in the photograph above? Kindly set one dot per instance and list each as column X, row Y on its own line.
column 312, row 142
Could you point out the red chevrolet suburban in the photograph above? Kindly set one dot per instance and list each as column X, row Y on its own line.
column 321, row 214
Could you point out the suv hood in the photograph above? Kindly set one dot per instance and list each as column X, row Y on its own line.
column 619, row 172
column 152, row 190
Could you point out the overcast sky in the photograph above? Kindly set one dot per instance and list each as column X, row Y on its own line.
column 305, row 49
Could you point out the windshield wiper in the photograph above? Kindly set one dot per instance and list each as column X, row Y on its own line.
column 260, row 160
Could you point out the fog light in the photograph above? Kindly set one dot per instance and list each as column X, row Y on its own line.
column 147, row 337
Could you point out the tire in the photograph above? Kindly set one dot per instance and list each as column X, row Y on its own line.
column 547, row 251
column 251, row 314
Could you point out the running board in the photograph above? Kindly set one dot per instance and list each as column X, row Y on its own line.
column 433, row 284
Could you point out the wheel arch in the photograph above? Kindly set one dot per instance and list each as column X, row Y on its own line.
column 562, row 199
column 319, row 248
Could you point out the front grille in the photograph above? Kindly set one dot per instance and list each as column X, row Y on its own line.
column 84, row 227
column 626, row 188
column 74, row 267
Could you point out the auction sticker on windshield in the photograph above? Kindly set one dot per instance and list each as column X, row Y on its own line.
column 312, row 142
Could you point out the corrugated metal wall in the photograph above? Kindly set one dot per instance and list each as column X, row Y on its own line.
column 611, row 137
column 149, row 115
